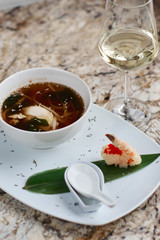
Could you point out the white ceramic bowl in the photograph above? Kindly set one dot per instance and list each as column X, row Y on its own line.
column 51, row 138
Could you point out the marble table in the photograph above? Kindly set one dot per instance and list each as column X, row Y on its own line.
column 64, row 34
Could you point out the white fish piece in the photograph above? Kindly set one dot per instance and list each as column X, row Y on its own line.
column 40, row 112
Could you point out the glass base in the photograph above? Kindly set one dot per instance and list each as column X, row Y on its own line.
column 134, row 110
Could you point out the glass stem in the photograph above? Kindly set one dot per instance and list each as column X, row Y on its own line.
column 126, row 87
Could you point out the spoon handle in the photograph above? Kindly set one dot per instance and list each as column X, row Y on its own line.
column 103, row 198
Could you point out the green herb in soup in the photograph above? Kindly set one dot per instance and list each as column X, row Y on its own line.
column 42, row 107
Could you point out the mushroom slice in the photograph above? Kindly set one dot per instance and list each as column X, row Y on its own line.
column 39, row 112
column 17, row 116
column 54, row 125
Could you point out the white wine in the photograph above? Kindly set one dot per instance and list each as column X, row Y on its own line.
column 128, row 49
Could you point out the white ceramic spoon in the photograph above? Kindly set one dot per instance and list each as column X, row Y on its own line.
column 85, row 180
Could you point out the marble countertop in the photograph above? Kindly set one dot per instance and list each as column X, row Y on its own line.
column 64, row 34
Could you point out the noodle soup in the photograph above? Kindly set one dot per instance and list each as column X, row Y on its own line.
column 29, row 97
column 42, row 107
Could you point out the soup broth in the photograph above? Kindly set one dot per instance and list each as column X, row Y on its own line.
column 42, row 107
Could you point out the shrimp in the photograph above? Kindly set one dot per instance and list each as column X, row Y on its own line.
column 120, row 153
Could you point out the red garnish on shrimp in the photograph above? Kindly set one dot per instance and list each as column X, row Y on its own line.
column 111, row 149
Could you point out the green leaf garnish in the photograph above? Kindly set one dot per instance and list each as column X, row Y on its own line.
column 52, row 181
column 111, row 172
column 47, row 182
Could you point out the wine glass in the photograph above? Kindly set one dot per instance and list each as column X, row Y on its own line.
column 127, row 42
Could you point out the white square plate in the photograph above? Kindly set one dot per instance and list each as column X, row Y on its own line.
column 18, row 162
